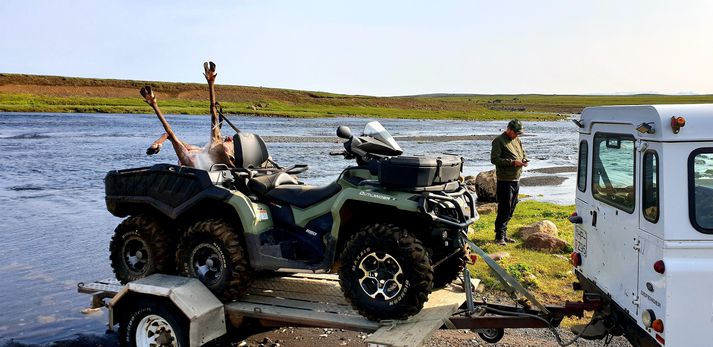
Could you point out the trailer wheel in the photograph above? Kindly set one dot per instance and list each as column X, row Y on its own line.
column 140, row 247
column 491, row 335
column 212, row 252
column 153, row 323
column 449, row 270
column 385, row 273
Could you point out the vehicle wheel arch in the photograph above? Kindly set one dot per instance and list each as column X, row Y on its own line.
column 351, row 223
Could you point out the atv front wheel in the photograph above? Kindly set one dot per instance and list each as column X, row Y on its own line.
column 385, row 273
column 140, row 247
column 211, row 251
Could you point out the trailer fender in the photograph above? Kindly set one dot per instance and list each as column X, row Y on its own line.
column 205, row 313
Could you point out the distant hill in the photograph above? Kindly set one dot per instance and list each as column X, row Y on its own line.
column 31, row 93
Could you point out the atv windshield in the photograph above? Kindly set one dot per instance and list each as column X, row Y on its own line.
column 376, row 130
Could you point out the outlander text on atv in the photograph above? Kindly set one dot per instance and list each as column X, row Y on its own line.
column 391, row 226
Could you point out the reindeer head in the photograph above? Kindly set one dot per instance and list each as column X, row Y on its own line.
column 147, row 93
column 209, row 73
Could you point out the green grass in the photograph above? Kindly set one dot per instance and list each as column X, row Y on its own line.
column 548, row 276
column 67, row 94
column 35, row 103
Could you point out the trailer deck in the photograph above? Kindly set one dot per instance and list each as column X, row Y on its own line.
column 309, row 300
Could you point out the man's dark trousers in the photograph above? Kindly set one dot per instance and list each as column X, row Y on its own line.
column 506, row 193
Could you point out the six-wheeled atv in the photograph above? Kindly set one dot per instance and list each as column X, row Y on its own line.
column 391, row 225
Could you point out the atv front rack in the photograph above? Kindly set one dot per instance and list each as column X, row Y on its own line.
column 461, row 221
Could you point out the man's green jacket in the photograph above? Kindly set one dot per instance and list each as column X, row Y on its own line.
column 505, row 151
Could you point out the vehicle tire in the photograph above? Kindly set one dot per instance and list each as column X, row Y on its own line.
column 491, row 335
column 153, row 323
column 212, row 251
column 447, row 271
column 140, row 247
column 385, row 272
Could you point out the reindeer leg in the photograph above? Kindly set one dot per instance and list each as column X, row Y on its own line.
column 156, row 145
column 210, row 74
column 181, row 151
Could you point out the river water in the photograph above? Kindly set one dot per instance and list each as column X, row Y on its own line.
column 55, row 229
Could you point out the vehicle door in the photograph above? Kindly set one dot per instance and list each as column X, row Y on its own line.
column 614, row 211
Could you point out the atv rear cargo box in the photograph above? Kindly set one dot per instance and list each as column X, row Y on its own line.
column 419, row 171
column 170, row 189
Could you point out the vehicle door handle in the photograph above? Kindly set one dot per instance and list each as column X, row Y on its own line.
column 594, row 218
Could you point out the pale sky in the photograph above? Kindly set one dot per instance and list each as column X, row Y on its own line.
column 372, row 47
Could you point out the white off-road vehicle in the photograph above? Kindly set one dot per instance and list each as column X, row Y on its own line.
column 644, row 222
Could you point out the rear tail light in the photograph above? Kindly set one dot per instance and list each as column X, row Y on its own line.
column 660, row 339
column 660, row 267
column 576, row 259
column 657, row 325
column 473, row 258
column 677, row 123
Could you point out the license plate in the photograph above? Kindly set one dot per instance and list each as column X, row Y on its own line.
column 580, row 240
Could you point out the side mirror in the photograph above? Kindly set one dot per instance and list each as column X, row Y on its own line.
column 344, row 132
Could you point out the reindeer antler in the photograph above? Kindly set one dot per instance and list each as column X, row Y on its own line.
column 209, row 73
column 148, row 95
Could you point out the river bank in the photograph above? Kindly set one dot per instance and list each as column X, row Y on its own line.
column 57, row 94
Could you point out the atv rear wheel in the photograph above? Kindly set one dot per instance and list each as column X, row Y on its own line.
column 140, row 247
column 211, row 251
column 447, row 271
column 385, row 272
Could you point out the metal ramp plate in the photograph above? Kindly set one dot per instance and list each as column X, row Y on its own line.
column 299, row 300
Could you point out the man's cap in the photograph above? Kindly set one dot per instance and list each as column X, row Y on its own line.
column 516, row 126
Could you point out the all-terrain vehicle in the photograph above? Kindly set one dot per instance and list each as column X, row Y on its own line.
column 391, row 225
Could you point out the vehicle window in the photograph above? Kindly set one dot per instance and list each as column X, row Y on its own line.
column 613, row 170
column 701, row 189
column 582, row 169
column 650, row 194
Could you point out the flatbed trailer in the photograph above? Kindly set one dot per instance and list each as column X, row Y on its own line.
column 314, row 300
column 300, row 300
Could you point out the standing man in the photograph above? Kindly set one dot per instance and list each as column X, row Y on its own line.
column 509, row 157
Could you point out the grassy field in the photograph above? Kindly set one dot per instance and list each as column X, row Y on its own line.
column 29, row 93
column 549, row 276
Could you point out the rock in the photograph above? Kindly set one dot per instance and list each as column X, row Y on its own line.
column 487, row 208
column 485, row 184
column 469, row 182
column 544, row 226
column 545, row 243
column 499, row 255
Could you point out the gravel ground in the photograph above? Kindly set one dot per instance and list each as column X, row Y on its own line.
column 309, row 337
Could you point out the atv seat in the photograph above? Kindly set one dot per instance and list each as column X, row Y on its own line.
column 302, row 195
column 282, row 187
column 260, row 185
column 251, row 154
